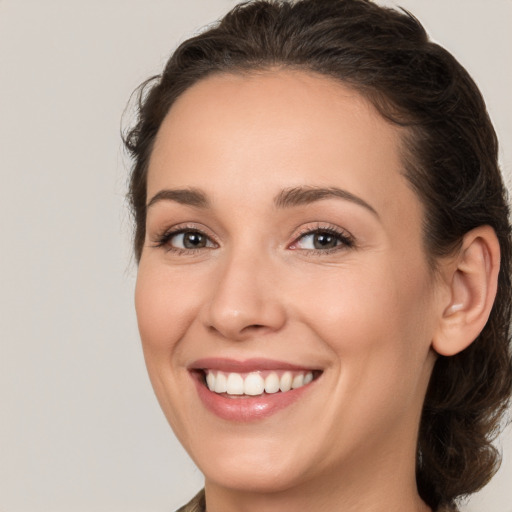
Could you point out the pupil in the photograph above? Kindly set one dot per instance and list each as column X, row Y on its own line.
column 193, row 240
column 324, row 240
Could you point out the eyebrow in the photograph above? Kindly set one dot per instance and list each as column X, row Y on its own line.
column 298, row 196
column 186, row 196
column 287, row 198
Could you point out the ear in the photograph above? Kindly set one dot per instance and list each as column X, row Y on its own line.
column 472, row 279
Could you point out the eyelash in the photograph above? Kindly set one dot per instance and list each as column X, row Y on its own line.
column 163, row 240
column 346, row 240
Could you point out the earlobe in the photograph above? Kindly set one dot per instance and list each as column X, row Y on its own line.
column 473, row 280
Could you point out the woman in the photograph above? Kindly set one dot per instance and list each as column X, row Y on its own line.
column 323, row 292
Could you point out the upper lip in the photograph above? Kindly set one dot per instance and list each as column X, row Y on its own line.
column 245, row 366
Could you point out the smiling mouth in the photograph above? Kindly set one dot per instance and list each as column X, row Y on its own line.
column 252, row 389
column 256, row 383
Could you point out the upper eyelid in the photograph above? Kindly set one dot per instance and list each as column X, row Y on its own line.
column 303, row 231
column 320, row 227
column 183, row 228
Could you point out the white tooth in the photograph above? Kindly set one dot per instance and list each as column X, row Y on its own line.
column 220, row 383
column 285, row 383
column 298, row 381
column 254, row 384
column 308, row 378
column 210, row 381
column 235, row 384
column 272, row 383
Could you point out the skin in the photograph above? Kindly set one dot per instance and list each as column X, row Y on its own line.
column 365, row 314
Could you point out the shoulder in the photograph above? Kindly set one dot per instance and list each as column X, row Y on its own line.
column 196, row 504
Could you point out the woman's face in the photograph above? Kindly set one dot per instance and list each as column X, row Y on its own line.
column 283, row 245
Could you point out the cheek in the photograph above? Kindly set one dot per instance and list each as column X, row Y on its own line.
column 165, row 307
column 374, row 326
column 376, row 321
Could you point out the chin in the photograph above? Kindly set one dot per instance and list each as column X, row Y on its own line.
column 260, row 466
column 255, row 478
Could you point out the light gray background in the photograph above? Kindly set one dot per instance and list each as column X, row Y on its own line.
column 80, row 429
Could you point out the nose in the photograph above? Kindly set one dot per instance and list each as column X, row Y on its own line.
column 245, row 300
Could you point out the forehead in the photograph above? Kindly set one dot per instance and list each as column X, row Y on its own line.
column 258, row 133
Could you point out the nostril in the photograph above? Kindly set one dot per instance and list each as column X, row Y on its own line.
column 253, row 327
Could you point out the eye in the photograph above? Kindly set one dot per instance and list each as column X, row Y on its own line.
column 322, row 240
column 189, row 240
column 184, row 240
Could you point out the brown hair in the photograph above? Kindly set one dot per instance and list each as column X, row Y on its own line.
column 450, row 159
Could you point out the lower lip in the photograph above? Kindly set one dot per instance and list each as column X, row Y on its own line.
column 246, row 409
